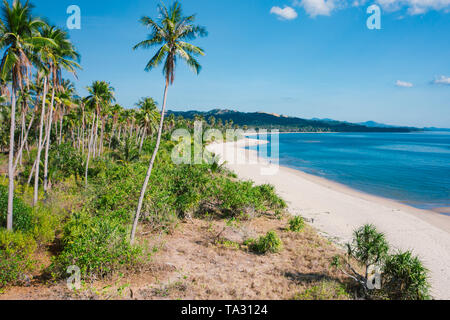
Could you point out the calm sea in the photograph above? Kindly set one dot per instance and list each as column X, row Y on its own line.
column 413, row 168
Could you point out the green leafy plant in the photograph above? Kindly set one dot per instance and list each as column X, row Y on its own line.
column 268, row 243
column 405, row 277
column 22, row 213
column 16, row 256
column 97, row 245
column 296, row 224
column 370, row 248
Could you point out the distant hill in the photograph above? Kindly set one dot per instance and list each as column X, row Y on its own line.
column 285, row 123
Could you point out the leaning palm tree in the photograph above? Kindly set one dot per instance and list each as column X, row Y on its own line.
column 172, row 30
column 18, row 38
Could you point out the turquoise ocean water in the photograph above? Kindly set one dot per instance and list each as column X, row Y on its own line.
column 413, row 168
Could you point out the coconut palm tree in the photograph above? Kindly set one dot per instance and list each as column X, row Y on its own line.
column 56, row 58
column 170, row 32
column 148, row 117
column 101, row 94
column 18, row 37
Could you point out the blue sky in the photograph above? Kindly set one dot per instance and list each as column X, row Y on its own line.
column 306, row 58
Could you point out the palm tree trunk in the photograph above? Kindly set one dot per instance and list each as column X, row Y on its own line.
column 9, row 217
column 150, row 167
column 90, row 142
column 31, row 173
column 61, row 125
column 47, row 145
column 24, row 140
column 142, row 140
column 101, row 137
column 38, row 157
column 95, row 138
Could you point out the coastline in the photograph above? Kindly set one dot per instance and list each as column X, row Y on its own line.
column 335, row 210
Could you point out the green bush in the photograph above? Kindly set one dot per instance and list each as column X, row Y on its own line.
column 405, row 277
column 325, row 290
column 97, row 245
column 45, row 224
column 22, row 213
column 269, row 196
column 268, row 243
column 296, row 224
column 16, row 252
column 65, row 161
column 369, row 246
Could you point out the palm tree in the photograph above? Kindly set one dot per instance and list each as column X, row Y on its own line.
column 63, row 55
column 18, row 38
column 100, row 94
column 172, row 30
column 148, row 116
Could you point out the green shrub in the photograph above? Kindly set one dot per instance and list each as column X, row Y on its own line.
column 16, row 251
column 272, row 200
column 22, row 213
column 325, row 290
column 98, row 245
column 296, row 224
column 65, row 161
column 45, row 224
column 405, row 277
column 369, row 246
column 268, row 243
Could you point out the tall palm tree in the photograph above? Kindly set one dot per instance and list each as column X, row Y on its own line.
column 56, row 58
column 148, row 116
column 18, row 38
column 170, row 32
column 100, row 94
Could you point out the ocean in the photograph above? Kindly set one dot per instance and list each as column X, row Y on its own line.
column 412, row 168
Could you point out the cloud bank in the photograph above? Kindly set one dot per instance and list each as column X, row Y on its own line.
column 413, row 7
column 287, row 13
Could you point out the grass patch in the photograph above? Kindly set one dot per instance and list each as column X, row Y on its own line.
column 325, row 290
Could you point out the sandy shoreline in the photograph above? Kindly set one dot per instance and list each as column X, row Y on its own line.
column 336, row 210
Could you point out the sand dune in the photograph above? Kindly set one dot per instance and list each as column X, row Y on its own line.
column 335, row 211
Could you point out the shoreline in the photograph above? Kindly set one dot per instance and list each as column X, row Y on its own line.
column 336, row 210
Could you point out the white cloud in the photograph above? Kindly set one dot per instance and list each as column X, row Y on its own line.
column 442, row 80
column 404, row 84
column 316, row 7
column 414, row 7
column 287, row 13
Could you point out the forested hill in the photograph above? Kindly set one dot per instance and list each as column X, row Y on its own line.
column 283, row 123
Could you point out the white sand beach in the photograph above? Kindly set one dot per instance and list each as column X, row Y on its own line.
column 336, row 210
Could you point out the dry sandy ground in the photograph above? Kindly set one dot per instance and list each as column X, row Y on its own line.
column 190, row 264
column 336, row 211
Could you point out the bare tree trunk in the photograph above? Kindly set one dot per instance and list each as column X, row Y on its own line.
column 47, row 145
column 89, row 152
column 100, row 147
column 61, row 126
column 142, row 139
column 38, row 157
column 9, row 217
column 31, row 173
column 24, row 140
column 150, row 168
column 22, row 133
column 95, row 138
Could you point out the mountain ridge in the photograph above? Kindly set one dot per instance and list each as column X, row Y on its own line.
column 287, row 123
